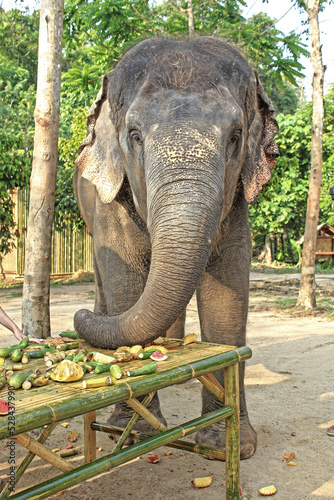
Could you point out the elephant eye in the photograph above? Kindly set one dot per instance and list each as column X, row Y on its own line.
column 233, row 143
column 136, row 137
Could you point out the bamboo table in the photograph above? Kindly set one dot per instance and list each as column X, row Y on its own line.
column 45, row 406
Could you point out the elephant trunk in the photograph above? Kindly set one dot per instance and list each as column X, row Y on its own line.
column 184, row 208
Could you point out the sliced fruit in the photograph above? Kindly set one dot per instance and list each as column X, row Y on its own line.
column 158, row 356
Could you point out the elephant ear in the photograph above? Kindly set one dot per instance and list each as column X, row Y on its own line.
column 261, row 147
column 100, row 158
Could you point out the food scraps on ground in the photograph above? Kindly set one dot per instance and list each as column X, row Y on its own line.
column 72, row 436
column 154, row 459
column 288, row 457
column 268, row 490
column 202, row 482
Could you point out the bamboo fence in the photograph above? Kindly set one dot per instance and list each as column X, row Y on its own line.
column 71, row 250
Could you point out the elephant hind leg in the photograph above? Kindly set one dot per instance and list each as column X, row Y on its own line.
column 123, row 413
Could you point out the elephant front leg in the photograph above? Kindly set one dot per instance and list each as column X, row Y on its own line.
column 222, row 305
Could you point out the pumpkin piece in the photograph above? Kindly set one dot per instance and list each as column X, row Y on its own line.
column 67, row 371
column 103, row 358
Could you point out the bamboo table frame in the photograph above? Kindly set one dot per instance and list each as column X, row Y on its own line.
column 185, row 366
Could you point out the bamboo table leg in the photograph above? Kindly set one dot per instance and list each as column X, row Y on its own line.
column 43, row 452
column 89, row 437
column 27, row 460
column 231, row 383
column 212, row 384
column 134, row 419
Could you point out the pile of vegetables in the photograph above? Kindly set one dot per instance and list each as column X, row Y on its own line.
column 67, row 361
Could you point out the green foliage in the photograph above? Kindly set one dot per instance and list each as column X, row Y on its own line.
column 17, row 98
column 281, row 206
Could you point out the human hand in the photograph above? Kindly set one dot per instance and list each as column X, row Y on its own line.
column 38, row 341
column 18, row 334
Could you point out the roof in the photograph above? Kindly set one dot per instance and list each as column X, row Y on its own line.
column 326, row 228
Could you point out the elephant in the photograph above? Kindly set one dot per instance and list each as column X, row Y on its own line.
column 180, row 142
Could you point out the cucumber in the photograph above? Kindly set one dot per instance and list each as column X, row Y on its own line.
column 24, row 343
column 5, row 352
column 70, row 335
column 116, row 371
column 80, row 356
column 144, row 370
column 93, row 364
column 146, row 354
column 17, row 379
column 16, row 355
column 101, row 368
column 40, row 353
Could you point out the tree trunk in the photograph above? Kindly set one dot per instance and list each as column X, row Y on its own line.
column 191, row 19
column 36, row 288
column 306, row 296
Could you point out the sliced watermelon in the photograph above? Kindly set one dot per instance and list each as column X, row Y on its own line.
column 5, row 407
column 158, row 356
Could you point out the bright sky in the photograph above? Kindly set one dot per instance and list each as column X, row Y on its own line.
column 289, row 19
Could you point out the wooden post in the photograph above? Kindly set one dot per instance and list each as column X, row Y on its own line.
column 231, row 383
column 89, row 437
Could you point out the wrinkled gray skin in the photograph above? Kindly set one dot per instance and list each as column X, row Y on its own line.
column 181, row 139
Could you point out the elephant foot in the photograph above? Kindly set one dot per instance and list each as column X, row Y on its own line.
column 123, row 413
column 214, row 436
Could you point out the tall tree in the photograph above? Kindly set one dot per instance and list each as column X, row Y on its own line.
column 306, row 297
column 36, row 289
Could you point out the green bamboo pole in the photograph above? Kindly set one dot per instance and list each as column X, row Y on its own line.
column 232, row 428
column 134, row 419
column 48, row 488
column 27, row 460
column 95, row 399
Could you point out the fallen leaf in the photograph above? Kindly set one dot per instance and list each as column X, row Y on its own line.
column 202, row 482
column 64, row 424
column 154, row 459
column 268, row 490
column 72, row 436
column 288, row 457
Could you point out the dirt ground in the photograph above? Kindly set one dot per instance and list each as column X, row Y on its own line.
column 290, row 396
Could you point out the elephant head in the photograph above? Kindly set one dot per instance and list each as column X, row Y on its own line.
column 190, row 127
